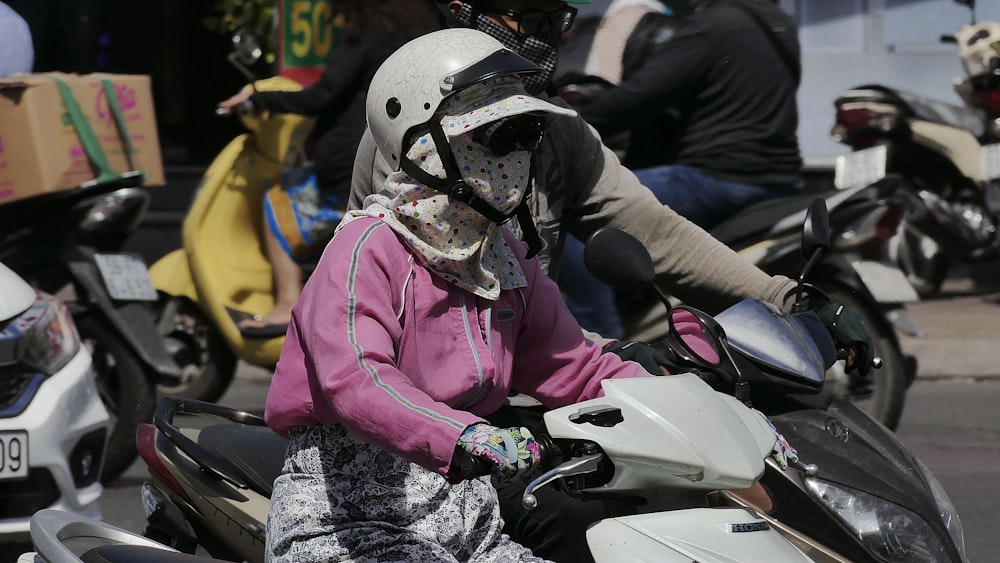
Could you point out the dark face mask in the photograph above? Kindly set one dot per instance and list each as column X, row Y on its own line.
column 541, row 48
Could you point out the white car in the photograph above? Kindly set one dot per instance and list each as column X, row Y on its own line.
column 53, row 426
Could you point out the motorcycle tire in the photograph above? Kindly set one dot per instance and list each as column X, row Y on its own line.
column 125, row 389
column 890, row 382
column 207, row 364
column 926, row 269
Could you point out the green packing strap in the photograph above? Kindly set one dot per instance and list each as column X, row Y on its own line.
column 88, row 139
column 109, row 92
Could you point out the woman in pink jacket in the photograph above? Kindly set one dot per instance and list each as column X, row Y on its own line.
column 421, row 317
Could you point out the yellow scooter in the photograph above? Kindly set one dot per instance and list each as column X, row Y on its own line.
column 221, row 273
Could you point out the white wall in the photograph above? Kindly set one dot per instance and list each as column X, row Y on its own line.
column 847, row 43
column 892, row 42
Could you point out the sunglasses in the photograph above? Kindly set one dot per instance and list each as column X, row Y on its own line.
column 522, row 132
column 530, row 22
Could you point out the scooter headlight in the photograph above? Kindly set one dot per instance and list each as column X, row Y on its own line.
column 44, row 337
column 34, row 345
column 120, row 211
column 888, row 531
column 948, row 513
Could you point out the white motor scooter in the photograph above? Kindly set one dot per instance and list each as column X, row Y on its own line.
column 669, row 440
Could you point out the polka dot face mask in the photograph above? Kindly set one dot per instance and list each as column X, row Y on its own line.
column 455, row 241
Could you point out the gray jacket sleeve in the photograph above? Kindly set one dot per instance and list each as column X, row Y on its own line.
column 690, row 263
column 581, row 186
column 370, row 172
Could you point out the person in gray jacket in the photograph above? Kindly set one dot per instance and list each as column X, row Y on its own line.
column 580, row 186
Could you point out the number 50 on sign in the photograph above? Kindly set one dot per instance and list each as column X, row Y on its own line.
column 309, row 30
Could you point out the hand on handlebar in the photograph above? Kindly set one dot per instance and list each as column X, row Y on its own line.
column 848, row 331
column 651, row 359
column 511, row 452
column 783, row 453
column 239, row 101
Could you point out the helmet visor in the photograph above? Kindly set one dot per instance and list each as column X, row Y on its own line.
column 499, row 63
column 487, row 109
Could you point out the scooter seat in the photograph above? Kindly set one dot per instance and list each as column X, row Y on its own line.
column 256, row 451
column 759, row 218
column 920, row 107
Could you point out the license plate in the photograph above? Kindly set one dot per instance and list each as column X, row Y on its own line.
column 989, row 162
column 887, row 283
column 13, row 454
column 126, row 277
column 860, row 168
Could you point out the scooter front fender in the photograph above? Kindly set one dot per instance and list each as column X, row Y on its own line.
column 723, row 535
column 851, row 449
column 172, row 275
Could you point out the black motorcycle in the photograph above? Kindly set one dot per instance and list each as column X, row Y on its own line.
column 69, row 244
column 858, row 494
column 948, row 154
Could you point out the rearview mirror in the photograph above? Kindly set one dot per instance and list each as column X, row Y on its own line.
column 246, row 48
column 618, row 259
column 696, row 334
column 816, row 230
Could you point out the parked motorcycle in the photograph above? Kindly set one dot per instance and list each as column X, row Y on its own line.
column 53, row 427
column 69, row 244
column 948, row 154
column 221, row 274
column 211, row 468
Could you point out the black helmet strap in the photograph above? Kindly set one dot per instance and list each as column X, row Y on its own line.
column 456, row 188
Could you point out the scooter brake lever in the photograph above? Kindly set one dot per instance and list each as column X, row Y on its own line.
column 810, row 469
column 844, row 354
column 575, row 466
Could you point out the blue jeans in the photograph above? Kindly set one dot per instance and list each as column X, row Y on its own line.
column 690, row 192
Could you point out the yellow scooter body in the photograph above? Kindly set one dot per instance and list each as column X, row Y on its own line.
column 222, row 263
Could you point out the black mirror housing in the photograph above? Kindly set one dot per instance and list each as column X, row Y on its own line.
column 816, row 230
column 618, row 259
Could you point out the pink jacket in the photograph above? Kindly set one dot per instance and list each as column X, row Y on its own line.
column 406, row 360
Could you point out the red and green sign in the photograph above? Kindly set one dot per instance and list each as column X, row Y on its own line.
column 307, row 33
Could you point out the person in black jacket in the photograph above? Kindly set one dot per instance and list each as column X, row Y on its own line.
column 724, row 76
column 372, row 31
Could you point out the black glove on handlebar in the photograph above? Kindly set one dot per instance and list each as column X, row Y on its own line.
column 651, row 359
column 847, row 329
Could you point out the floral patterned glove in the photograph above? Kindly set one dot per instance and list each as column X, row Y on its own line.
column 511, row 451
column 783, row 452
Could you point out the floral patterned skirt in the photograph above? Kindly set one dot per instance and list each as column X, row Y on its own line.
column 341, row 499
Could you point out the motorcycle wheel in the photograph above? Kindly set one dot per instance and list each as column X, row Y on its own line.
column 888, row 384
column 207, row 364
column 919, row 257
column 124, row 388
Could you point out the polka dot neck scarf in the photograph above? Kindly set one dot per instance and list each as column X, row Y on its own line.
column 454, row 241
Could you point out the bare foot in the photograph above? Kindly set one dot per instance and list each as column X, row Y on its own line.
column 276, row 317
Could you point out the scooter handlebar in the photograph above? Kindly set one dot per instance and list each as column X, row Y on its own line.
column 470, row 466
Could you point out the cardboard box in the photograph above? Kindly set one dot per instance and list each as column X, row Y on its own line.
column 41, row 149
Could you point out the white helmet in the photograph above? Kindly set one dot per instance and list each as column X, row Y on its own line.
column 410, row 85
